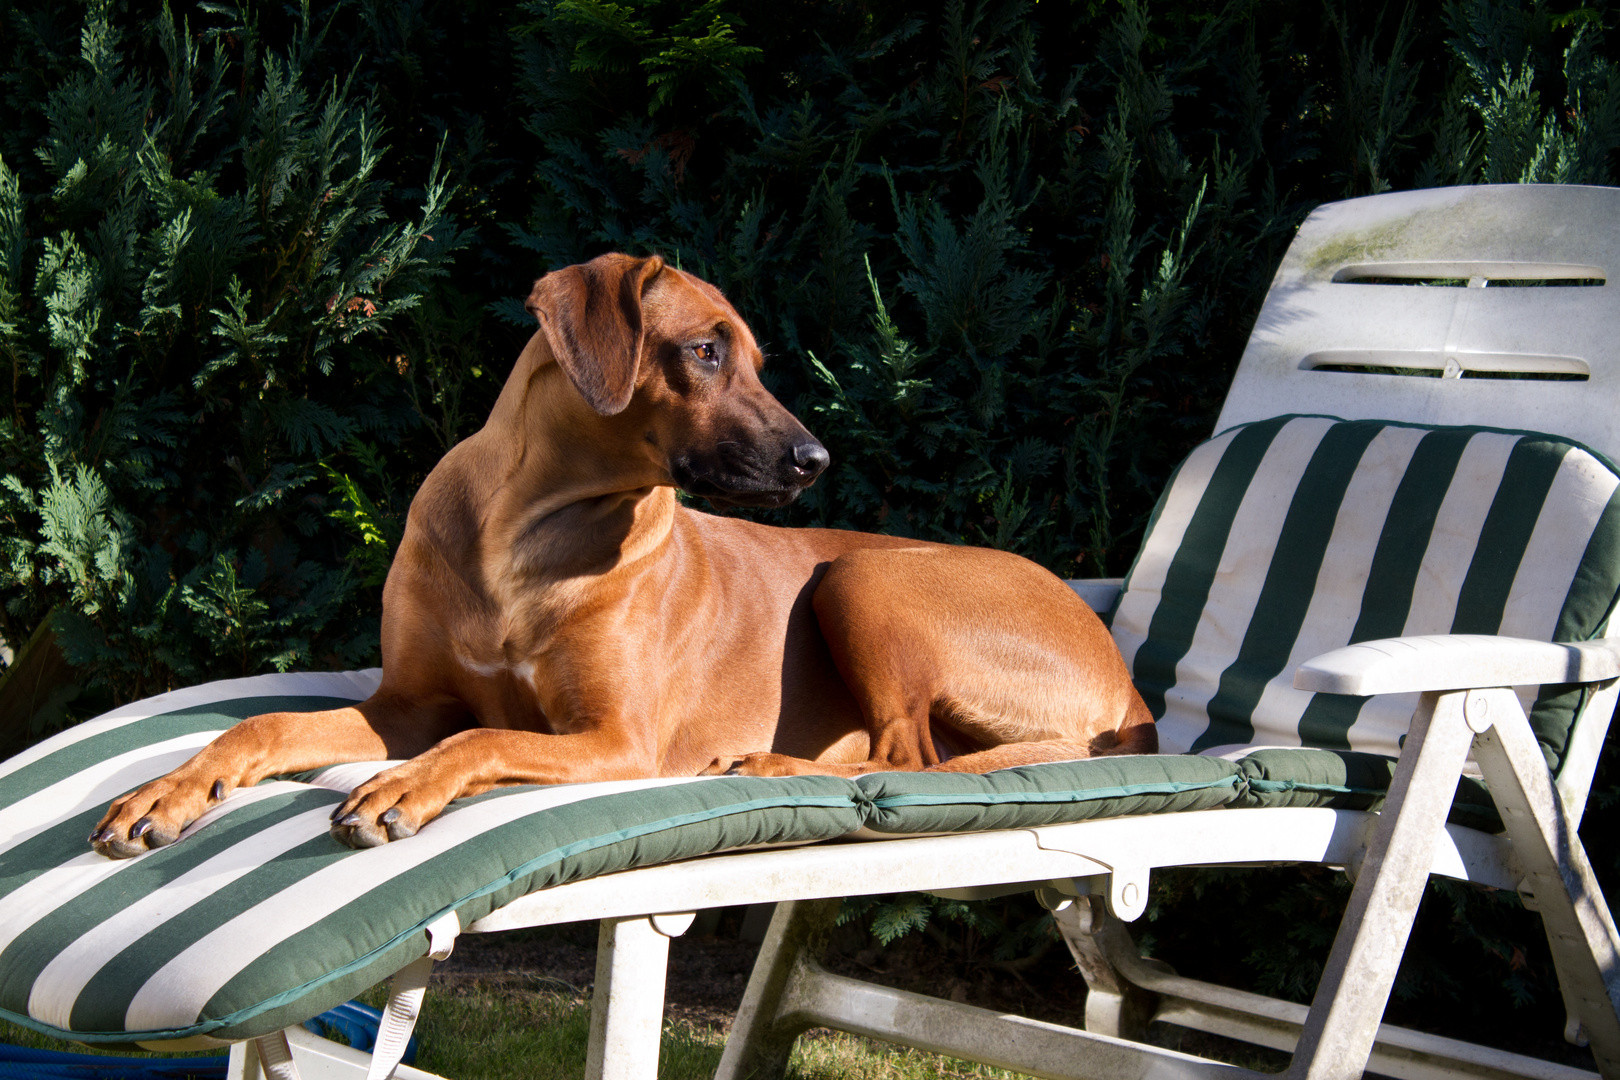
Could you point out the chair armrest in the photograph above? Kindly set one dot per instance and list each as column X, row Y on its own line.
column 1455, row 662
column 1100, row 594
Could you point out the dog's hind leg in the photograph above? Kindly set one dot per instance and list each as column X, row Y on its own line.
column 977, row 652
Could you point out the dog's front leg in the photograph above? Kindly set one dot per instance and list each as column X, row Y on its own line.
column 154, row 814
column 397, row 802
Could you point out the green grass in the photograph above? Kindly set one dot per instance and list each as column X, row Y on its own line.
column 497, row 1030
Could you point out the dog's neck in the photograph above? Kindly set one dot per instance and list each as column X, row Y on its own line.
column 557, row 506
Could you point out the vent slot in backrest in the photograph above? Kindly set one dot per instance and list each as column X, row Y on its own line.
column 1434, row 364
column 1476, row 275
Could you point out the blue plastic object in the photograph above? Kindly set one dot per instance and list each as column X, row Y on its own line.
column 20, row 1063
column 355, row 1023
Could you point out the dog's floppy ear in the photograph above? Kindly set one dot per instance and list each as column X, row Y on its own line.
column 591, row 315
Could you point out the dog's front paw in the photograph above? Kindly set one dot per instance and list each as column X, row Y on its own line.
column 392, row 805
column 760, row 764
column 153, row 815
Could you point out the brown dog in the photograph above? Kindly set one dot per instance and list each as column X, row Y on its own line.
column 555, row 615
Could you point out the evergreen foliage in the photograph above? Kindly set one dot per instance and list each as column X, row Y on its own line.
column 198, row 261
column 260, row 267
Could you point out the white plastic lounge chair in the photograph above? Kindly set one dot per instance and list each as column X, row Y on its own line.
column 1279, row 542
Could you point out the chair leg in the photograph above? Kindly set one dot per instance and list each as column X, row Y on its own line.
column 1558, row 879
column 1114, row 1005
column 272, row 1056
column 1345, row 1013
column 627, row 1006
column 763, row 1033
column 243, row 1064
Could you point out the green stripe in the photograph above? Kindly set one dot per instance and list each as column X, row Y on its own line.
column 1526, row 480
column 81, row 755
column 1192, row 570
column 1593, row 592
column 1290, row 583
column 1386, row 600
column 28, row 955
column 994, row 798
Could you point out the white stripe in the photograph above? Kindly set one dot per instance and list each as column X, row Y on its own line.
column 175, row 995
column 105, row 780
column 1239, row 751
column 1342, row 580
column 348, row 775
column 356, row 685
column 57, row 987
column 1134, row 612
column 27, row 904
column 1576, row 499
column 1238, row 580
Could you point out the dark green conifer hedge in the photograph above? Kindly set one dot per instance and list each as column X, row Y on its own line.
column 260, row 266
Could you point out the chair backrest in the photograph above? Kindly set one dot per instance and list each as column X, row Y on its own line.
column 1285, row 538
column 1423, row 501
column 1518, row 328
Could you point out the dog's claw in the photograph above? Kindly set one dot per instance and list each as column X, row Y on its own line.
column 140, row 828
column 217, row 792
column 350, row 820
column 389, row 816
column 357, row 836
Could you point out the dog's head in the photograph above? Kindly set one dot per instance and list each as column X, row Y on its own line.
column 657, row 349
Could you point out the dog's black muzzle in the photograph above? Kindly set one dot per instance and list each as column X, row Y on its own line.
column 731, row 475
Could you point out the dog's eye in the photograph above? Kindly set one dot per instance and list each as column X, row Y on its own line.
column 706, row 352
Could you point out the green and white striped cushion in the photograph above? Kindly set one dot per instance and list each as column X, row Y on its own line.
column 1281, row 539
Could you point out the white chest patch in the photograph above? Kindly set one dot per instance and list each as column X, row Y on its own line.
column 523, row 671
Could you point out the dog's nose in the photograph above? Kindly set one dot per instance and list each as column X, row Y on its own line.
column 809, row 459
